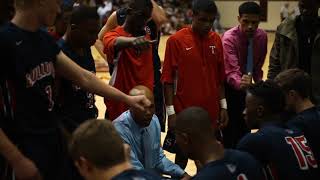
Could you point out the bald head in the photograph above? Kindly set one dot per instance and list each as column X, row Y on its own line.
column 138, row 90
column 143, row 118
column 196, row 122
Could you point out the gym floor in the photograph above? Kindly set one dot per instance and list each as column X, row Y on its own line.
column 191, row 168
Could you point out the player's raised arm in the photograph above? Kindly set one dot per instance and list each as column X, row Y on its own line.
column 158, row 14
column 88, row 81
column 110, row 24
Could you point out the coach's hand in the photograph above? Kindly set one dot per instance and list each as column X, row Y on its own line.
column 223, row 119
column 245, row 81
column 25, row 169
column 172, row 122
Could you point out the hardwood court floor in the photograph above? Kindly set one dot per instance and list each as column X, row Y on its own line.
column 191, row 169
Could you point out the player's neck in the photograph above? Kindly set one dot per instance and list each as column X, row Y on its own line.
column 130, row 28
column 198, row 33
column 304, row 105
column 26, row 20
column 73, row 44
column 114, row 171
column 211, row 152
column 270, row 118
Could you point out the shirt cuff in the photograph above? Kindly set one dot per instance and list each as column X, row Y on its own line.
column 179, row 173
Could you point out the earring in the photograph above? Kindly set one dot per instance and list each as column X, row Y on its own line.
column 73, row 26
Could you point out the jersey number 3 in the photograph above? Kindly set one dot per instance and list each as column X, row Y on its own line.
column 48, row 91
column 302, row 152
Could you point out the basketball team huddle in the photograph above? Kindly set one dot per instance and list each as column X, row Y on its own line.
column 210, row 89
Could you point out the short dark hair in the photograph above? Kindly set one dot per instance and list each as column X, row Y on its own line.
column 204, row 6
column 249, row 7
column 270, row 95
column 99, row 143
column 297, row 80
column 140, row 5
column 195, row 121
column 82, row 13
column 65, row 8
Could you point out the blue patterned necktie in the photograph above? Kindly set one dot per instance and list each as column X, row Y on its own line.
column 250, row 57
column 146, row 148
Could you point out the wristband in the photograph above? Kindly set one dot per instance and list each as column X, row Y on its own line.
column 223, row 103
column 170, row 110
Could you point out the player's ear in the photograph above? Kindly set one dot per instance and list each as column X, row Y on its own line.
column 292, row 93
column 129, row 10
column 239, row 18
column 260, row 111
column 244, row 112
column 185, row 138
column 193, row 13
column 73, row 26
column 83, row 166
